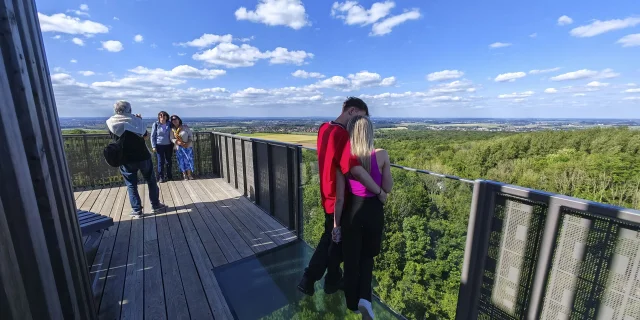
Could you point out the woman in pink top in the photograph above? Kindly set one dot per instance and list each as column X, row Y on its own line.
column 362, row 223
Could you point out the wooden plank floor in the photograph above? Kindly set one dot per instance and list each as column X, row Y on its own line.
column 161, row 266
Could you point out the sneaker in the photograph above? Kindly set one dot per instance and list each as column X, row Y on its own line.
column 160, row 180
column 331, row 288
column 365, row 308
column 135, row 214
column 306, row 286
column 159, row 207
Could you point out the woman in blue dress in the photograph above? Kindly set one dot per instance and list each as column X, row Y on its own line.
column 182, row 138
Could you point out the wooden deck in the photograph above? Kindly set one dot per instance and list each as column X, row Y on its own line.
column 160, row 266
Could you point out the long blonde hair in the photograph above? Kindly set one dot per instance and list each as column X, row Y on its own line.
column 361, row 138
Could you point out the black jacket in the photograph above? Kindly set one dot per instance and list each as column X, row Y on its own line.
column 134, row 147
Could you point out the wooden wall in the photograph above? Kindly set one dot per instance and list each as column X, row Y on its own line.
column 43, row 273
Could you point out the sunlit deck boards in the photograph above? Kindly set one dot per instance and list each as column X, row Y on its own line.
column 160, row 266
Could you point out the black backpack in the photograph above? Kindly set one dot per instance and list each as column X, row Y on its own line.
column 113, row 152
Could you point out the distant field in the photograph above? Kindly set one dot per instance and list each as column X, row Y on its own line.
column 303, row 139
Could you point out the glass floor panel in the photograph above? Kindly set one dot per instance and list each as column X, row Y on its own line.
column 265, row 287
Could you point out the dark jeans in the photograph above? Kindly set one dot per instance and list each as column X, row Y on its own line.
column 327, row 256
column 362, row 225
column 130, row 173
column 163, row 155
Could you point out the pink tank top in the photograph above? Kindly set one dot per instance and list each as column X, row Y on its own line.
column 358, row 188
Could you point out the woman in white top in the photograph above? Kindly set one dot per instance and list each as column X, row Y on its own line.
column 182, row 138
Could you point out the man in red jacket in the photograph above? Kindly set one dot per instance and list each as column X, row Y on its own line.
column 333, row 139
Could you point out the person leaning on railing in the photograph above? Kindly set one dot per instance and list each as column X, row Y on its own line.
column 162, row 145
column 182, row 138
column 130, row 132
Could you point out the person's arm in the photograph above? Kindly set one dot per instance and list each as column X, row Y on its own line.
column 154, row 135
column 387, row 179
column 351, row 165
column 337, row 209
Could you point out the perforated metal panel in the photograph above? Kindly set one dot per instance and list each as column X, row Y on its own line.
column 248, row 156
column 595, row 270
column 511, row 259
column 281, row 176
column 262, row 167
column 239, row 165
column 232, row 168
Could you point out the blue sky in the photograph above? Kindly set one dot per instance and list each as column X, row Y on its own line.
column 302, row 58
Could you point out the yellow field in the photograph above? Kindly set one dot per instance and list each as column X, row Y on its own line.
column 303, row 139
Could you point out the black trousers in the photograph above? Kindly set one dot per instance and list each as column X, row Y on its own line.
column 327, row 257
column 163, row 155
column 362, row 225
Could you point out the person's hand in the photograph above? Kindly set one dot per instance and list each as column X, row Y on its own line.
column 336, row 234
column 382, row 196
column 154, row 149
column 179, row 142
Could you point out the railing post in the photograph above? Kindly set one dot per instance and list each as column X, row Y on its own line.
column 256, row 172
column 244, row 168
column 214, row 165
column 478, row 232
column 226, row 154
column 300, row 193
column 272, row 188
column 88, row 160
column 545, row 258
column 235, row 163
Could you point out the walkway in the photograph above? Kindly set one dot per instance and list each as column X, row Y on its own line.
column 161, row 266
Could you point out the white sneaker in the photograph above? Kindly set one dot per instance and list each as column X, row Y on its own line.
column 365, row 307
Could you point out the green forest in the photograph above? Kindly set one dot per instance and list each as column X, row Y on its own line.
column 418, row 272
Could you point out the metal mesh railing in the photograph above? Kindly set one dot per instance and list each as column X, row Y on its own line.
column 84, row 154
column 536, row 255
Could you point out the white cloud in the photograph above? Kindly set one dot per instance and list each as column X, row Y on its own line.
column 116, row 18
column 550, row 90
column 445, row 75
column 631, row 84
column 452, row 87
column 78, row 41
column 182, row 53
column 631, row 98
column 87, row 73
column 304, row 74
column 564, row 20
column 579, row 94
column 63, row 23
column 63, row 79
column 632, row 40
column 153, row 45
column 607, row 74
column 289, row 13
column 598, row 27
column 533, row 35
column 496, row 45
column 232, row 56
column 138, row 38
column 182, row 71
column 386, row 26
column 525, row 94
column 575, row 75
column 112, row 46
column 84, row 7
column 597, row 84
column 362, row 79
column 73, row 61
column 632, row 90
column 57, row 37
column 207, row 40
column 536, row 71
column 510, row 77
column 443, row 98
column 354, row 14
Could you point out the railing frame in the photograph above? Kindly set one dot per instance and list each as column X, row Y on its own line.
column 479, row 229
